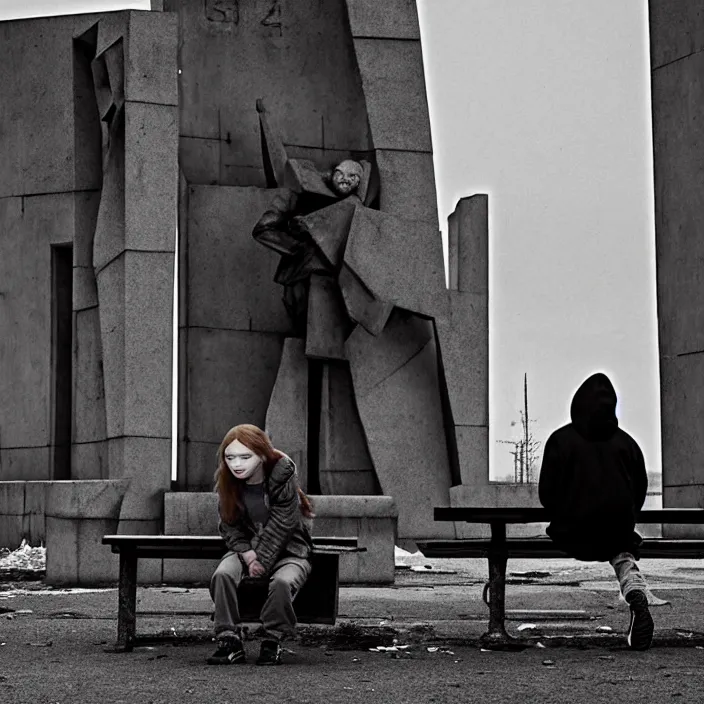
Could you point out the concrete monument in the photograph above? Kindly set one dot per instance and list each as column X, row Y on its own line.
column 126, row 131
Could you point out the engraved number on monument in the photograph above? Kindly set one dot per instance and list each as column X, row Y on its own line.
column 223, row 11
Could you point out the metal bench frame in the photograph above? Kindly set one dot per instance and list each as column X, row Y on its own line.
column 131, row 548
column 498, row 549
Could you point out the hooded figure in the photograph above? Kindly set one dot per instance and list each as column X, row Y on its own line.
column 593, row 480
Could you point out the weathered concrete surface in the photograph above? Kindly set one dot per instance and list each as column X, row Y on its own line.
column 78, row 514
column 345, row 466
column 463, row 337
column 287, row 413
column 398, row 260
column 327, row 324
column 676, row 30
column 373, row 521
column 269, row 55
column 229, row 277
column 361, row 304
column 395, row 19
column 398, row 396
column 224, row 388
column 677, row 38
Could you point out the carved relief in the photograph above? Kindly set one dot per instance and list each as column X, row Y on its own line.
column 223, row 11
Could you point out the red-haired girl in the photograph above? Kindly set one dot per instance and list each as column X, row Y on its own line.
column 261, row 519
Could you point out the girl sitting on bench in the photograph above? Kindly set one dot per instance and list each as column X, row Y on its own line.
column 262, row 510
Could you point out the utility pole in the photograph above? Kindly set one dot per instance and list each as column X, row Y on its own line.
column 525, row 449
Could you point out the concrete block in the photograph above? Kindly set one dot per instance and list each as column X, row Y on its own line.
column 23, row 463
column 227, row 393
column 85, row 291
column 200, row 464
column 464, row 349
column 344, row 461
column 96, row 562
column 146, row 463
column 329, row 227
column 688, row 496
column 677, row 96
column 190, row 513
column 394, row 91
column 403, row 338
column 136, row 294
column 287, row 413
column 62, row 537
column 494, row 495
column 327, row 323
column 399, row 261
column 151, row 177
column 682, row 408
column 372, row 520
column 88, row 383
column 89, row 460
column 12, row 499
column 151, row 63
column 34, row 519
column 200, row 161
column 252, row 60
column 230, row 281
column 473, row 451
column 676, row 30
column 99, row 499
column 408, row 185
column 403, row 422
column 78, row 514
column 86, row 205
column 397, row 19
column 361, row 305
column 36, row 104
column 29, row 226
column 471, row 217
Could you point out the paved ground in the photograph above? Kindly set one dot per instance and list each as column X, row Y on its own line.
column 53, row 652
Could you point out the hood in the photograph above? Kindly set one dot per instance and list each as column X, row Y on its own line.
column 593, row 409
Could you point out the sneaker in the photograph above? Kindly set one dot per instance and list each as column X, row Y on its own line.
column 230, row 651
column 270, row 653
column 640, row 629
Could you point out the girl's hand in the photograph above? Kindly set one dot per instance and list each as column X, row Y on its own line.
column 256, row 569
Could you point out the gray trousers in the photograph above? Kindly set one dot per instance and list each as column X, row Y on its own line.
column 277, row 615
column 627, row 572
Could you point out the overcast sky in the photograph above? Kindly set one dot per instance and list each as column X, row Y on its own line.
column 545, row 106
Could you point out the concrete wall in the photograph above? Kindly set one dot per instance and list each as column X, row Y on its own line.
column 296, row 55
column 89, row 129
column 43, row 202
column 677, row 64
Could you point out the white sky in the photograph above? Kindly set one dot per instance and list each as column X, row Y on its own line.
column 545, row 105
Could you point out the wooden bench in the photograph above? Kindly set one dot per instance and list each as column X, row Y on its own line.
column 316, row 602
column 498, row 549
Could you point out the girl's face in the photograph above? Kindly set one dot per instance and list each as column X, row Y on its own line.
column 243, row 463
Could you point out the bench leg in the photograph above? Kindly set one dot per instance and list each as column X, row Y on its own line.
column 496, row 637
column 126, row 603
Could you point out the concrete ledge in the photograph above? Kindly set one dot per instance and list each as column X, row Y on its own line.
column 354, row 506
column 86, row 498
column 78, row 514
column 371, row 519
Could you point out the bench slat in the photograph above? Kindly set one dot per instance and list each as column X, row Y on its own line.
column 544, row 548
column 483, row 514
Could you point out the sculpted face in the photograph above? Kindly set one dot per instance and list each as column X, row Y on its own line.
column 346, row 177
column 243, row 463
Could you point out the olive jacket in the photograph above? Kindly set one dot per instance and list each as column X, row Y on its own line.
column 284, row 533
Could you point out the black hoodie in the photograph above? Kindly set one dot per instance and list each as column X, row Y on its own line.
column 593, row 480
